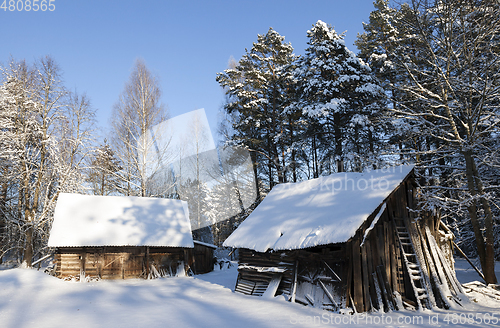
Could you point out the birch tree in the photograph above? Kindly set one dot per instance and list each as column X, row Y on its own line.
column 137, row 111
column 193, row 171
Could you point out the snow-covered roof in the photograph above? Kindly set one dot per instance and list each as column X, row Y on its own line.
column 85, row 220
column 316, row 212
column 205, row 244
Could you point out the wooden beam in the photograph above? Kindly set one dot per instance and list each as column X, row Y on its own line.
column 331, row 270
column 294, row 286
column 41, row 259
column 468, row 260
column 357, row 277
column 348, row 297
column 146, row 259
column 328, row 294
column 100, row 260
column 366, row 281
column 393, row 256
column 383, row 290
column 386, row 289
column 387, row 255
column 83, row 255
column 371, row 270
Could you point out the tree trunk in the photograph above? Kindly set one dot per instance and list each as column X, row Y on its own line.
column 253, row 157
column 338, row 142
column 3, row 210
column 293, row 163
column 28, row 249
column 489, row 268
column 485, row 250
column 315, row 158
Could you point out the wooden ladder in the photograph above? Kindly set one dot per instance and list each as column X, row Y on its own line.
column 412, row 265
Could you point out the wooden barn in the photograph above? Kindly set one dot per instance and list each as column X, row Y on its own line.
column 117, row 237
column 347, row 241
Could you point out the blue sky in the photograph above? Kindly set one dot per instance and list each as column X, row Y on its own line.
column 185, row 43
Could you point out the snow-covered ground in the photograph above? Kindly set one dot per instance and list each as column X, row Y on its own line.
column 30, row 298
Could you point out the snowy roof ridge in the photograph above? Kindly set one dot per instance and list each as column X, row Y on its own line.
column 320, row 211
column 205, row 244
column 89, row 220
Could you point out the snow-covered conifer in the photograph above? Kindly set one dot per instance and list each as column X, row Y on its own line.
column 258, row 91
column 337, row 89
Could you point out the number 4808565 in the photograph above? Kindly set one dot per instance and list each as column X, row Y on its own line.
column 28, row 5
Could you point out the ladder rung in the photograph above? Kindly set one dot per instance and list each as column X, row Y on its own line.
column 410, row 254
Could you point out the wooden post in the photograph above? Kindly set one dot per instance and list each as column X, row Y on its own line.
column 189, row 261
column 328, row 294
column 357, row 277
column 387, row 257
column 366, row 282
column 380, row 277
column 376, row 262
column 294, row 287
column 146, row 260
column 370, row 271
column 100, row 260
column 82, row 265
column 386, row 289
column 393, row 256
column 349, row 264
column 122, row 265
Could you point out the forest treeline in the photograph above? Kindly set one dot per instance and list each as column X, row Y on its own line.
column 423, row 88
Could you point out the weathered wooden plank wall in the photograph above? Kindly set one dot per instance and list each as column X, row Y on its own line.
column 203, row 259
column 117, row 262
column 250, row 262
column 377, row 268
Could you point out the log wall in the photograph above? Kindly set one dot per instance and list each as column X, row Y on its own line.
column 119, row 262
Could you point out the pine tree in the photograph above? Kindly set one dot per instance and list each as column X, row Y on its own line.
column 257, row 90
column 377, row 42
column 339, row 93
column 104, row 172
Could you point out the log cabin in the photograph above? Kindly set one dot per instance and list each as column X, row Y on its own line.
column 118, row 237
column 347, row 242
